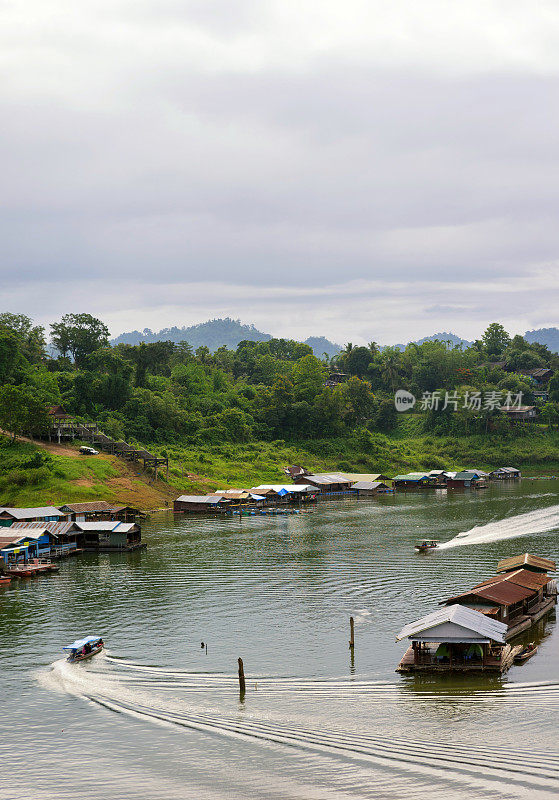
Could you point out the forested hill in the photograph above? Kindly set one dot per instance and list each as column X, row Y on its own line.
column 217, row 333
column 211, row 334
column 547, row 336
column 440, row 337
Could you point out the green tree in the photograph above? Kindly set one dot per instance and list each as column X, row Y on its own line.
column 21, row 412
column 80, row 335
column 495, row 340
column 308, row 376
column 30, row 337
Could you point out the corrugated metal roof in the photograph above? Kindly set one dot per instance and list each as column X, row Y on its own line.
column 459, row 615
column 200, row 498
column 56, row 528
column 298, row 488
column 99, row 525
column 323, row 480
column 8, row 541
column 466, row 475
column 504, row 593
column 520, row 577
column 97, row 505
column 124, row 527
column 28, row 513
column 367, row 485
column 507, row 564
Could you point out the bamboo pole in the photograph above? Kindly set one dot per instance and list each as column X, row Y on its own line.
column 351, row 634
column 242, row 686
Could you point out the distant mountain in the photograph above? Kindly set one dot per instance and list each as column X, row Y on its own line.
column 216, row 333
column 441, row 337
column 213, row 334
column 321, row 345
column 548, row 336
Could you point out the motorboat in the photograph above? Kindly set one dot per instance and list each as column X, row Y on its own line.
column 82, row 649
column 529, row 651
column 426, row 545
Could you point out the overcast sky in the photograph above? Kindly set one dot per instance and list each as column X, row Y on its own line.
column 358, row 169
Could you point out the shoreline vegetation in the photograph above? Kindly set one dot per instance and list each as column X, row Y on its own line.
column 39, row 473
column 234, row 418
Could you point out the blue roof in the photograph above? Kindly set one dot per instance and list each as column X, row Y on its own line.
column 80, row 642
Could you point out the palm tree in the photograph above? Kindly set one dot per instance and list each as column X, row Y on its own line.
column 391, row 363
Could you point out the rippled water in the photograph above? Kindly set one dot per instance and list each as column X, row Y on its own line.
column 158, row 717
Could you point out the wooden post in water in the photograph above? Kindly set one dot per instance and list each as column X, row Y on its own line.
column 351, row 634
column 242, row 687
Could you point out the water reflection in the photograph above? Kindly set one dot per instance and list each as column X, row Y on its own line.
column 317, row 720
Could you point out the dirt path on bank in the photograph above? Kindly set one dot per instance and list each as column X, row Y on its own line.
column 130, row 486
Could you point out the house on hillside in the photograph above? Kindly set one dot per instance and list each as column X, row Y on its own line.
column 520, row 413
column 336, row 378
column 539, row 376
column 295, row 471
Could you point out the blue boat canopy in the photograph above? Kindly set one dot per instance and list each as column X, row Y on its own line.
column 79, row 643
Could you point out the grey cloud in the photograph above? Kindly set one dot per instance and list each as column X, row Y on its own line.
column 157, row 169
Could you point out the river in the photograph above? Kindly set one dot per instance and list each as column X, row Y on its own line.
column 156, row 716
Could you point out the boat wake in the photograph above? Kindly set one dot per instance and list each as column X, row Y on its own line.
column 141, row 692
column 544, row 520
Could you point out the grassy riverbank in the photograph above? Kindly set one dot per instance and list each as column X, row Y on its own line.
column 42, row 474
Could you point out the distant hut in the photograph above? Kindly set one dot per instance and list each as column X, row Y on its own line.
column 467, row 479
column 505, row 474
column 369, row 488
column 199, row 503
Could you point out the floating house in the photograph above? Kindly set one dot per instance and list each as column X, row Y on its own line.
column 467, row 479
column 99, row 509
column 455, row 638
column 414, row 480
column 42, row 514
column 505, row 474
column 24, row 544
column 286, row 493
column 369, row 488
column 107, row 536
column 526, row 561
column 516, row 596
column 330, row 483
column 187, row 503
column 65, row 535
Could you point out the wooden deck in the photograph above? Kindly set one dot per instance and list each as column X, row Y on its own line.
column 494, row 663
column 29, row 570
column 428, row 664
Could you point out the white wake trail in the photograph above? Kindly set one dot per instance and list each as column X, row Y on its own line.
column 543, row 520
